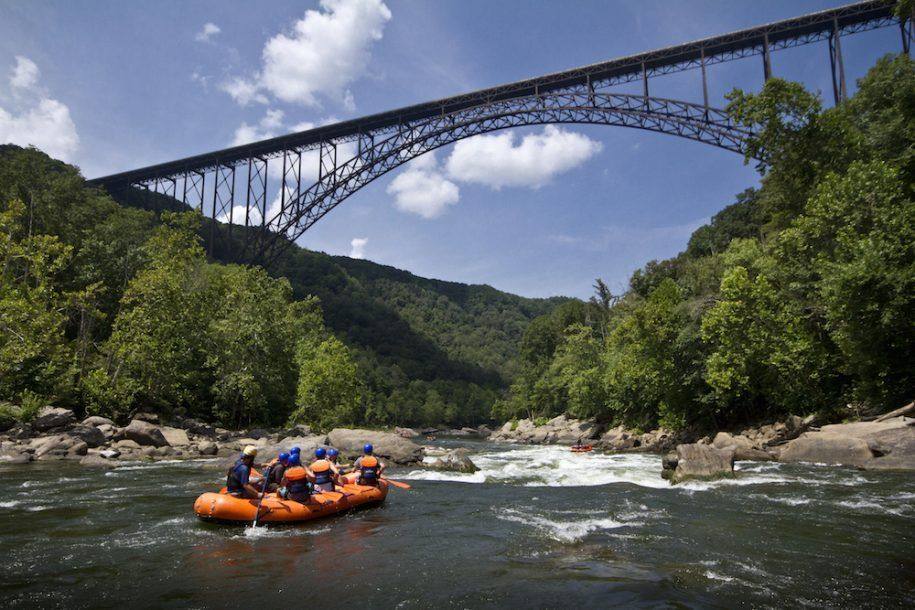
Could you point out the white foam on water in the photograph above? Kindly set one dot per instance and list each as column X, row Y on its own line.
column 561, row 530
column 869, row 506
column 39, row 508
column 262, row 531
column 10, row 504
column 557, row 466
column 719, row 577
column 789, row 501
column 553, row 466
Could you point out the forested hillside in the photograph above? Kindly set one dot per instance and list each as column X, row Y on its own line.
column 799, row 297
column 110, row 309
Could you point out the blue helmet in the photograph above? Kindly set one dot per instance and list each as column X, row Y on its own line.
column 297, row 450
column 333, row 452
column 368, row 449
column 320, row 453
column 284, row 458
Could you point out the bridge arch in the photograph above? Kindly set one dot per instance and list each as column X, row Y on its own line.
column 374, row 159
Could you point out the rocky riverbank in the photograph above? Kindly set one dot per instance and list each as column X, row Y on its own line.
column 885, row 444
column 56, row 434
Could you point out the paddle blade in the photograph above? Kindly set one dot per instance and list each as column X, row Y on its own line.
column 397, row 484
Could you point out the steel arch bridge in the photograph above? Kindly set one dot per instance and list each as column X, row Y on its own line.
column 232, row 186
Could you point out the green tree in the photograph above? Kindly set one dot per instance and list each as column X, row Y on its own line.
column 647, row 360
column 34, row 354
column 329, row 392
column 860, row 228
column 159, row 338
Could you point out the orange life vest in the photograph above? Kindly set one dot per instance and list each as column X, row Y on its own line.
column 297, row 473
column 320, row 466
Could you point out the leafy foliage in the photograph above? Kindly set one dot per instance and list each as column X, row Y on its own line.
column 798, row 297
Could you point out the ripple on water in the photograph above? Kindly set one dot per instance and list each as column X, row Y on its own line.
column 573, row 525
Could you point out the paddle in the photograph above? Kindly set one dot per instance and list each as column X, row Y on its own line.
column 396, row 483
column 261, row 499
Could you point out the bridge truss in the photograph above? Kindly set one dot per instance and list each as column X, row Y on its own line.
column 317, row 169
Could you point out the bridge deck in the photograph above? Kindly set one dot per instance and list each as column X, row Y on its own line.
column 796, row 31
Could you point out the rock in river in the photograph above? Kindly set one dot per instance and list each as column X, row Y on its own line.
column 91, row 435
column 886, row 445
column 145, row 433
column 456, row 461
column 697, row 461
column 387, row 445
column 49, row 418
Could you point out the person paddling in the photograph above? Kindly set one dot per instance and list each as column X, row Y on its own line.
column 277, row 468
column 324, row 471
column 333, row 456
column 369, row 467
column 238, row 477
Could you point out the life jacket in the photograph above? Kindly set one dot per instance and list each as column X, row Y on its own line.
column 297, row 483
column 368, row 470
column 233, row 481
column 323, row 473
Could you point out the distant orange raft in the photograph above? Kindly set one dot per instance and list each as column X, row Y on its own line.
column 223, row 508
column 581, row 448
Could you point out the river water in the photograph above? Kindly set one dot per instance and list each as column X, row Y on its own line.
column 537, row 527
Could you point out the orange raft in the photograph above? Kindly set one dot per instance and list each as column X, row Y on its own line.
column 223, row 508
column 581, row 448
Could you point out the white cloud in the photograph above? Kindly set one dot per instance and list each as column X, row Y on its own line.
column 320, row 56
column 357, row 247
column 243, row 91
column 36, row 119
column 422, row 189
column 238, row 216
column 25, row 73
column 497, row 161
column 207, row 32
column 266, row 128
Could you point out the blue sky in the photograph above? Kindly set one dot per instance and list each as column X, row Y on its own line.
column 113, row 85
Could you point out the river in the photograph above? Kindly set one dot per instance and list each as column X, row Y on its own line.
column 537, row 527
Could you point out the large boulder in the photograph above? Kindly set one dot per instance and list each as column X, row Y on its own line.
column 405, row 432
column 695, row 461
column 307, row 444
column 455, row 461
column 96, row 420
column 618, row 439
column 199, row 428
column 176, row 437
column 149, row 418
column 50, row 418
column 60, row 446
column 886, row 445
column 92, row 436
column 845, row 451
column 207, row 448
column 144, row 433
column 744, row 448
column 387, row 445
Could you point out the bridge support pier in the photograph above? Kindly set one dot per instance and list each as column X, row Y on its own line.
column 907, row 29
column 837, row 66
